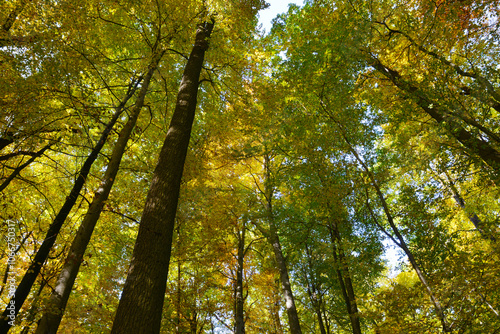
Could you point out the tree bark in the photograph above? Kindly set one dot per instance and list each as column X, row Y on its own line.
column 40, row 257
column 141, row 303
column 400, row 242
column 54, row 311
column 474, row 219
column 238, row 291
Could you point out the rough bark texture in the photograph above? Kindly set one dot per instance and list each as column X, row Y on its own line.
column 54, row 311
column 141, row 303
column 41, row 255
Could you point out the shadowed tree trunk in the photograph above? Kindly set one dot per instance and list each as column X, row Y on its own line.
column 56, row 305
column 41, row 255
column 313, row 290
column 141, row 302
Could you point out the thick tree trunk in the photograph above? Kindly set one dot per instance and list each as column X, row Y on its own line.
column 238, row 290
column 141, row 303
column 56, row 305
column 40, row 257
column 344, row 278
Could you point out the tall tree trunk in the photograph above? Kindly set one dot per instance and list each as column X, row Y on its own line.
column 238, row 290
column 54, row 310
column 344, row 278
column 141, row 303
column 40, row 257
column 291, row 310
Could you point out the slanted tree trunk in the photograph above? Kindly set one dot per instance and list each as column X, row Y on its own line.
column 344, row 278
column 24, row 287
column 401, row 243
column 141, row 302
column 54, row 310
column 474, row 219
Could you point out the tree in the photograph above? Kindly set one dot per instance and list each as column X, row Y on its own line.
column 151, row 256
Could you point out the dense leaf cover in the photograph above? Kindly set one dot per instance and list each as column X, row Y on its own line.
column 353, row 130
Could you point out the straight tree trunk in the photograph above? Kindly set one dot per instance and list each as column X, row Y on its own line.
column 238, row 291
column 141, row 302
column 24, row 287
column 54, row 310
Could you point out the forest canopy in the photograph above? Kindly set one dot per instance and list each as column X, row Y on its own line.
column 168, row 167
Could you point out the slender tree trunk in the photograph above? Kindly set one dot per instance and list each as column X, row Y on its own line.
column 54, row 311
column 41, row 255
column 312, row 291
column 238, row 291
column 141, row 303
column 344, row 279
column 31, row 314
column 478, row 224
column 291, row 310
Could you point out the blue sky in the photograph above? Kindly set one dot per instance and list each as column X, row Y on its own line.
column 276, row 7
